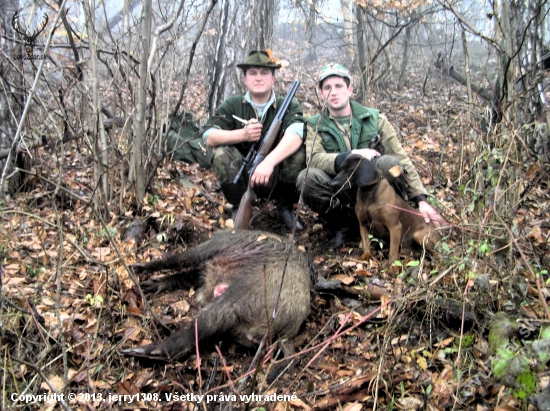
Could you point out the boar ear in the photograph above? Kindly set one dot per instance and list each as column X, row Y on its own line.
column 366, row 173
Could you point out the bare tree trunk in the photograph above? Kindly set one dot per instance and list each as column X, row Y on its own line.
column 467, row 67
column 311, row 18
column 509, row 60
column 405, row 61
column 523, row 104
column 536, row 105
column 185, row 79
column 114, row 20
column 11, row 102
column 97, row 130
column 362, row 41
column 522, row 33
column 139, row 122
column 241, row 27
column 32, row 92
column 128, row 86
column 159, row 30
column 348, row 31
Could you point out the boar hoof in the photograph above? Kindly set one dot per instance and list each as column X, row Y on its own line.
column 147, row 351
column 138, row 268
column 278, row 369
column 154, row 286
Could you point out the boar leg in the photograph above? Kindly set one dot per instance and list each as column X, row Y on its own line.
column 190, row 258
column 169, row 262
column 287, row 346
column 217, row 318
column 170, row 282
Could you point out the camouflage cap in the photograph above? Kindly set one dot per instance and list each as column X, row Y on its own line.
column 259, row 58
column 333, row 69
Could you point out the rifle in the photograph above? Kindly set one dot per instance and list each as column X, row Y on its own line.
column 256, row 156
column 246, row 161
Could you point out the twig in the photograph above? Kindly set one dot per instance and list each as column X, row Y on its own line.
column 198, row 362
column 542, row 299
column 39, row 371
column 30, row 98
column 336, row 335
column 225, row 369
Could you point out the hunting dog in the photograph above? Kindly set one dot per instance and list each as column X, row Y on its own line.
column 381, row 210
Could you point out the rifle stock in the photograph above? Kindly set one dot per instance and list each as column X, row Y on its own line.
column 244, row 213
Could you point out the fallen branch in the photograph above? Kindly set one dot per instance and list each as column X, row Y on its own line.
column 451, row 72
column 353, row 390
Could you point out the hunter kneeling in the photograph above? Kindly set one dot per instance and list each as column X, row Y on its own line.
column 240, row 124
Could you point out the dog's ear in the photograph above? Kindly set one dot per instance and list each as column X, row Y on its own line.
column 366, row 173
column 346, row 173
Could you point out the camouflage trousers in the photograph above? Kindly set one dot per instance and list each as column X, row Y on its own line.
column 320, row 197
column 227, row 160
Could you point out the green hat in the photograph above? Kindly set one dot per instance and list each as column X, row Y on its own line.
column 333, row 69
column 259, row 58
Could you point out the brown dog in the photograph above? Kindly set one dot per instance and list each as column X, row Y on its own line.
column 381, row 210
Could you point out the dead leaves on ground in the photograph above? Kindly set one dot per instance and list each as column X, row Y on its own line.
column 390, row 359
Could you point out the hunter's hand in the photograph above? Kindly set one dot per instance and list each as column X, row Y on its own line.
column 261, row 175
column 429, row 213
column 252, row 131
column 368, row 153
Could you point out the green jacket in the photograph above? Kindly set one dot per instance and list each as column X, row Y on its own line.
column 364, row 127
column 239, row 106
column 366, row 124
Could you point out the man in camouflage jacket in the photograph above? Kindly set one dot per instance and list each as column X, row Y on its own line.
column 346, row 127
column 231, row 140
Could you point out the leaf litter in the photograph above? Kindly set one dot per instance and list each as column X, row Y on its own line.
column 426, row 338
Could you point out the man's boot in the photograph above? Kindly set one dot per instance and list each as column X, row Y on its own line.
column 233, row 194
column 287, row 216
column 286, row 196
column 343, row 223
column 339, row 238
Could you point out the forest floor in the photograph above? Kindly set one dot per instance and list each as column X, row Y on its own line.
column 69, row 305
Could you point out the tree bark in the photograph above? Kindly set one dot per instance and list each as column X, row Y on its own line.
column 97, row 131
column 139, row 122
column 467, row 66
column 348, row 31
column 405, row 61
column 523, row 100
column 362, row 40
column 11, row 101
column 241, row 27
column 311, row 18
column 117, row 18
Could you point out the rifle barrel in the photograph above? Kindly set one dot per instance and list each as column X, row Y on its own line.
column 244, row 212
column 277, row 122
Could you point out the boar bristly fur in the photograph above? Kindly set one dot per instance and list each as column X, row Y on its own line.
column 239, row 274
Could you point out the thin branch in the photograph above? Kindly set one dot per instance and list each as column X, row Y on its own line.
column 30, row 98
